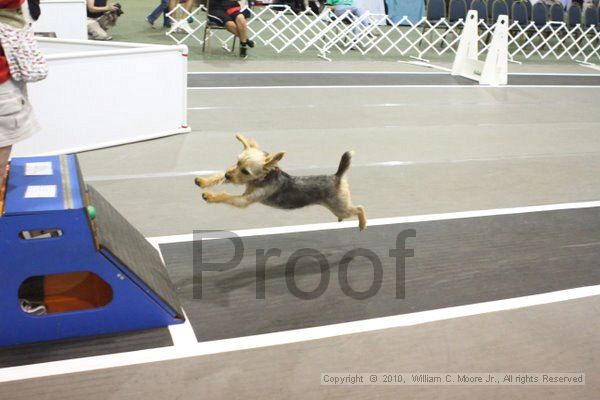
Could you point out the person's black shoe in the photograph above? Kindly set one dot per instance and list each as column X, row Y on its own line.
column 243, row 51
column 250, row 42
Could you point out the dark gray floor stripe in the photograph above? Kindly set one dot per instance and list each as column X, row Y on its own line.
column 379, row 79
column 84, row 347
column 456, row 262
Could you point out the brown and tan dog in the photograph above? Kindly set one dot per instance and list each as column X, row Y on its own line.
column 269, row 185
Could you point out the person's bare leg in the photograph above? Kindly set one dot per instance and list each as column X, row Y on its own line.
column 231, row 27
column 172, row 4
column 4, row 155
column 242, row 28
column 187, row 5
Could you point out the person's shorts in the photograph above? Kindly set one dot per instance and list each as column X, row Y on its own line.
column 219, row 16
column 17, row 121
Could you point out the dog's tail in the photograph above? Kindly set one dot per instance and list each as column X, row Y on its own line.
column 344, row 164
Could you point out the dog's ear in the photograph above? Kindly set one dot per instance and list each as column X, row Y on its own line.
column 247, row 142
column 272, row 160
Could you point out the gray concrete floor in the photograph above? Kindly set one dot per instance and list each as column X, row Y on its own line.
column 465, row 149
column 560, row 337
column 389, row 65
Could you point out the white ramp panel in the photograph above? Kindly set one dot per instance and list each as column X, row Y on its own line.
column 66, row 18
column 466, row 62
column 495, row 69
column 107, row 97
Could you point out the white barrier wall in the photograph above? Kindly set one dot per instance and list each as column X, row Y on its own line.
column 100, row 94
column 66, row 18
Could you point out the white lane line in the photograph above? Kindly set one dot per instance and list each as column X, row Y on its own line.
column 99, row 178
column 393, row 163
column 313, row 73
column 208, row 108
column 553, row 74
column 396, row 87
column 374, row 73
column 426, row 65
column 279, row 230
column 271, row 108
column 596, row 67
column 287, row 337
column 183, row 335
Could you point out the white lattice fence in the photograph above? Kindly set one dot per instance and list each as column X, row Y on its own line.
column 283, row 30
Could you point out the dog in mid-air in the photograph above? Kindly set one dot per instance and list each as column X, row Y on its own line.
column 269, row 185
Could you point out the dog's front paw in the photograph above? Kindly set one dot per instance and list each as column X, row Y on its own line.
column 209, row 197
column 201, row 182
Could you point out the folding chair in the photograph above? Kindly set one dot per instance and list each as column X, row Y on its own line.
column 539, row 14
column 557, row 19
column 519, row 14
column 529, row 9
column 457, row 11
column 539, row 17
column 574, row 16
column 215, row 23
column 557, row 13
column 490, row 6
column 574, row 23
column 590, row 20
column 499, row 8
column 509, row 4
column 481, row 8
column 434, row 13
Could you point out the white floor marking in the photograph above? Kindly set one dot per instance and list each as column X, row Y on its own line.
column 207, row 108
column 393, row 163
column 271, row 108
column 313, row 73
column 286, row 337
column 552, row 74
column 374, row 72
column 99, row 178
column 351, row 224
column 426, row 65
column 592, row 66
column 396, row 87
column 183, row 334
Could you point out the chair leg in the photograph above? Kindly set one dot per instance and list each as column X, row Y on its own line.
column 204, row 39
column 458, row 34
column 544, row 39
column 422, row 34
column 444, row 38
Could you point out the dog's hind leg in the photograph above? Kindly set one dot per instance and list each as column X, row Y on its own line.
column 362, row 217
column 341, row 206
column 350, row 211
column 210, row 181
